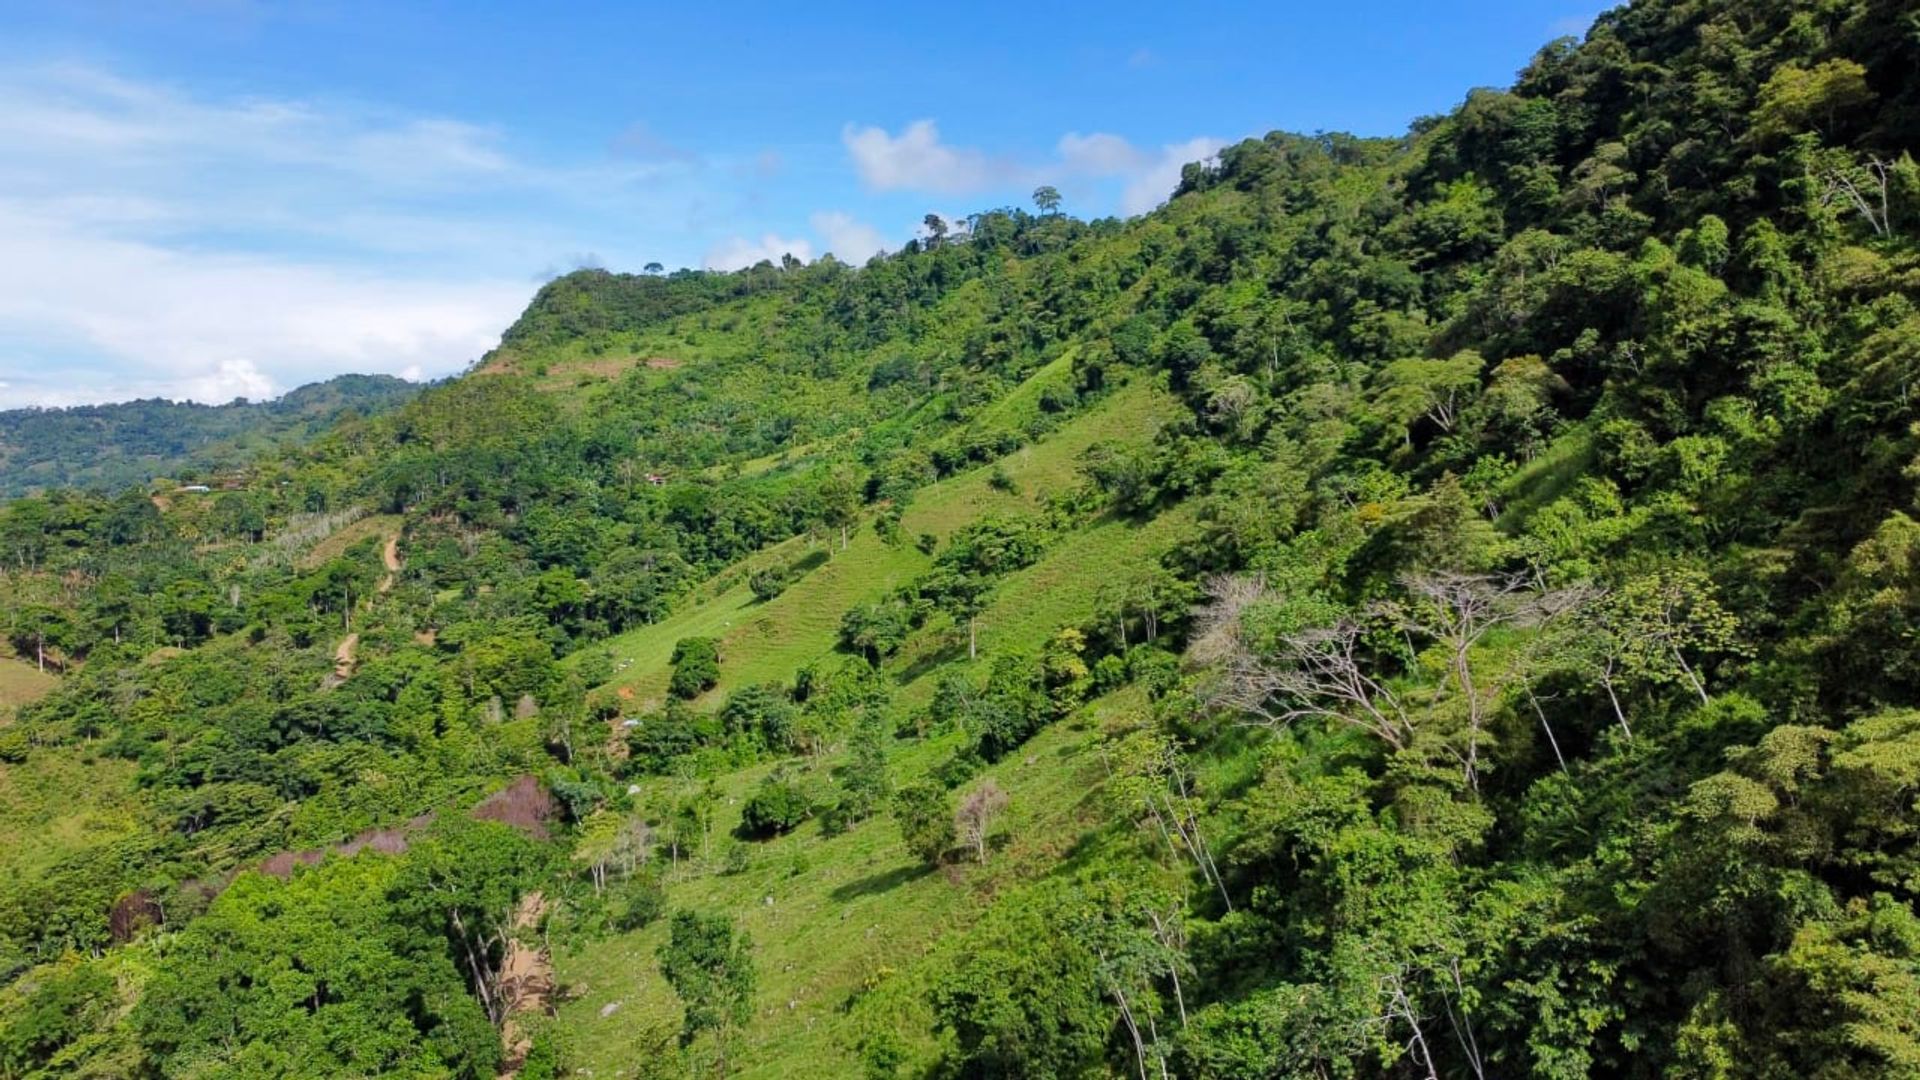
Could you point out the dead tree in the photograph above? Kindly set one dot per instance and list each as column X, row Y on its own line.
column 1458, row 611
column 1317, row 672
column 1865, row 191
column 974, row 819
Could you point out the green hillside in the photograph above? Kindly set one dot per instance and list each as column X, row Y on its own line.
column 1414, row 607
column 109, row 447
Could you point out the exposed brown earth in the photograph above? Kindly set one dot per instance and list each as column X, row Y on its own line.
column 526, row 982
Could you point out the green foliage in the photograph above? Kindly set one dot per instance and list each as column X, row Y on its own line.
column 637, row 903
column 58, row 1008
column 343, row 969
column 709, row 964
column 925, row 817
column 1023, row 998
column 696, row 667
column 109, row 447
column 777, row 806
column 1489, row 648
column 769, row 582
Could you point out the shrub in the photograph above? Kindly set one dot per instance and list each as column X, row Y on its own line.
column 1156, row 669
column 777, row 807
column 926, row 821
column 663, row 736
column 13, row 746
column 696, row 667
column 762, row 713
column 637, row 902
column 770, row 582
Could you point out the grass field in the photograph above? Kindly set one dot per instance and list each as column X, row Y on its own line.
column 1029, row 606
column 763, row 642
column 21, row 683
column 841, row 920
column 336, row 544
column 849, row 928
column 57, row 804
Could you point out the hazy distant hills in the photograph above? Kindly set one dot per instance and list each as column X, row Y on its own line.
column 111, row 446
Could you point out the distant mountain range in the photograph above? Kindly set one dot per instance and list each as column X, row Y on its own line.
column 112, row 446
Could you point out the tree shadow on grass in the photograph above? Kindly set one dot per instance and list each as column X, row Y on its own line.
column 946, row 654
column 875, row 884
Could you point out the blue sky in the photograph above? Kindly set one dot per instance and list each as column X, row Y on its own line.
column 222, row 197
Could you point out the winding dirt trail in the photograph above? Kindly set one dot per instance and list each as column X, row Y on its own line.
column 346, row 654
column 390, row 555
column 526, row 983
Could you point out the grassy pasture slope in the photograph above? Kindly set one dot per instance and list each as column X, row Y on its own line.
column 761, row 642
column 829, row 915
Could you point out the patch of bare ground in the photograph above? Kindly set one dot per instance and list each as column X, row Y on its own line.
column 526, row 982
column 345, row 656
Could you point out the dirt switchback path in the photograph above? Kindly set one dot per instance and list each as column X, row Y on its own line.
column 391, row 556
column 344, row 658
column 346, row 655
column 526, row 982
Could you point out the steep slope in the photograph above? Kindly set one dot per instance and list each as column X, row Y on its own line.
column 1429, row 606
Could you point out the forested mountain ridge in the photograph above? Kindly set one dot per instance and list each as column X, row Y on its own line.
column 1407, row 607
column 109, row 447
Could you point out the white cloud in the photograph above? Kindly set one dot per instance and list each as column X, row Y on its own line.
column 158, row 242
column 212, row 326
column 96, row 120
column 917, row 160
column 738, row 253
column 849, row 240
column 1152, row 185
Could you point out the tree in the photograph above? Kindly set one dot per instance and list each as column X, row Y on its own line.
column 865, row 779
column 974, row 819
column 1796, row 97
column 1149, row 592
column 1436, row 391
column 709, row 964
column 653, row 268
column 777, row 806
column 1024, row 995
column 926, row 822
column 1138, row 940
column 839, row 502
column 769, row 581
column 1647, row 628
column 1457, row 612
column 696, row 667
column 464, row 880
column 936, row 227
column 327, row 974
column 1046, row 197
column 37, row 628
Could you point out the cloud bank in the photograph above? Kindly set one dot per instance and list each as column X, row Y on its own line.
column 158, row 243
column 917, row 159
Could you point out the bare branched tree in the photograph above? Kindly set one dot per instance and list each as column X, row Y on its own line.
column 1216, row 626
column 1458, row 611
column 1865, row 190
column 1316, row 672
column 974, row 819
